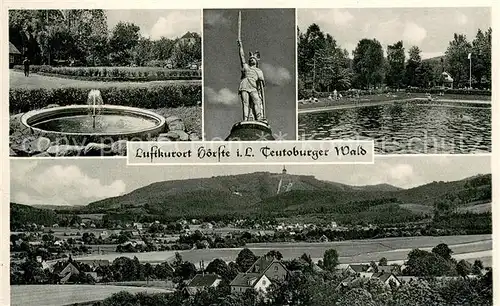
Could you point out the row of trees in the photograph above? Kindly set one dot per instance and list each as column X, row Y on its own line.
column 323, row 65
column 82, row 36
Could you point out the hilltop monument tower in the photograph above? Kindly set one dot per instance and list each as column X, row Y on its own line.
column 285, row 184
column 254, row 125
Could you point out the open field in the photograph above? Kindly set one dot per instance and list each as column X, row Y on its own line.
column 352, row 251
column 48, row 295
column 34, row 81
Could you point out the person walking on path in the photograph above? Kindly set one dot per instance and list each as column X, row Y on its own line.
column 26, row 64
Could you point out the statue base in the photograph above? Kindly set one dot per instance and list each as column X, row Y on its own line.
column 250, row 131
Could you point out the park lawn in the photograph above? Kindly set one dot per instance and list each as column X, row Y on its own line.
column 325, row 102
column 35, row 81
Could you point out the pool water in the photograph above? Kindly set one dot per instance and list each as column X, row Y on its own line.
column 106, row 123
column 406, row 127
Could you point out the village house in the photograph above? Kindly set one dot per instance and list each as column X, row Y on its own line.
column 387, row 278
column 201, row 282
column 14, row 55
column 247, row 281
column 260, row 275
column 271, row 267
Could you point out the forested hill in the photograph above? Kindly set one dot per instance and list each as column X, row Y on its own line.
column 257, row 193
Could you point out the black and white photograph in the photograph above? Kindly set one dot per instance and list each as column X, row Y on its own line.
column 414, row 80
column 400, row 231
column 85, row 81
column 249, row 74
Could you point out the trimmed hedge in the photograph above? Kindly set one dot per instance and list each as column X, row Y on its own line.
column 169, row 95
column 117, row 73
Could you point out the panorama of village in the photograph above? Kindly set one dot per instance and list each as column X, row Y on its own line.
column 407, row 234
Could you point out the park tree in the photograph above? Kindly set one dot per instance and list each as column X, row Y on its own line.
column 457, row 59
column 124, row 37
column 185, row 54
column 481, row 57
column 413, row 64
column 368, row 63
column 396, row 65
column 330, row 259
column 245, row 259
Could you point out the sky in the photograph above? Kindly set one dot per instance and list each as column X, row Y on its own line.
column 82, row 181
column 158, row 23
column 431, row 29
column 272, row 33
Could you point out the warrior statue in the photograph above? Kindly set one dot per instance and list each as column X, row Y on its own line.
column 251, row 90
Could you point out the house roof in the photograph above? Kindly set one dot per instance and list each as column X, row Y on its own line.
column 261, row 264
column 246, row 279
column 383, row 276
column 94, row 262
column 359, row 268
column 201, row 280
column 13, row 49
column 189, row 35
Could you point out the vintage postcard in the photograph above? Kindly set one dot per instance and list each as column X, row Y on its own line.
column 262, row 153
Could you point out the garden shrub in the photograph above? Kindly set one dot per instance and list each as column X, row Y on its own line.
column 169, row 95
column 117, row 73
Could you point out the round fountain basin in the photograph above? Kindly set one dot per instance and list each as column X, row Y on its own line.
column 111, row 122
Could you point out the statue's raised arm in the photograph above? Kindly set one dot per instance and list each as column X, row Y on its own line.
column 242, row 53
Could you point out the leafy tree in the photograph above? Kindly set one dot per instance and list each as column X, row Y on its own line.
column 356, row 297
column 382, row 261
column 245, row 259
column 219, row 267
column 164, row 270
column 396, row 62
column 477, row 267
column 481, row 57
column 413, row 64
column 443, row 250
column 428, row 264
column 275, row 254
column 124, row 37
column 464, row 268
column 457, row 61
column 416, row 293
column 368, row 63
column 330, row 259
column 122, row 298
column 185, row 271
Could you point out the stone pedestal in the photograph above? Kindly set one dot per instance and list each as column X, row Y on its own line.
column 250, row 131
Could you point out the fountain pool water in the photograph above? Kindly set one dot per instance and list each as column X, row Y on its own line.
column 94, row 121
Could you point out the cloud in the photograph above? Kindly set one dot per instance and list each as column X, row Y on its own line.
column 342, row 17
column 400, row 172
column 461, row 18
column 64, row 185
column 213, row 18
column 413, row 33
column 175, row 24
column 223, row 96
column 276, row 75
column 20, row 170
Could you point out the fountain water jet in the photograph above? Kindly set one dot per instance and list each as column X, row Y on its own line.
column 95, row 102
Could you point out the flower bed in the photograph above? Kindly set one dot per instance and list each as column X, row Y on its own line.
column 117, row 73
column 150, row 97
